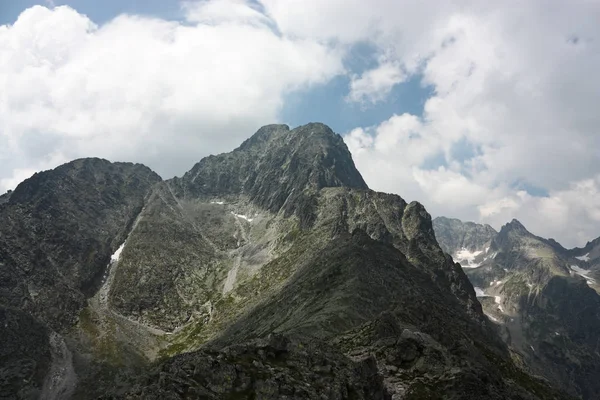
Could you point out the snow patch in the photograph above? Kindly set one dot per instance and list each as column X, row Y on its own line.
column 468, row 257
column 117, row 255
column 217, row 202
column 242, row 216
column 584, row 258
column 471, row 266
column 479, row 291
column 498, row 300
column 492, row 318
column 584, row 273
column 495, row 283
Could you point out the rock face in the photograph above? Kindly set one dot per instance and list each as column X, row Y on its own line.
column 25, row 355
column 274, row 367
column 544, row 298
column 453, row 234
column 588, row 256
column 268, row 272
column 57, row 232
column 465, row 241
column 274, row 164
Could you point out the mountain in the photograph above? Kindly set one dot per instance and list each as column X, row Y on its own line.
column 465, row 241
column 269, row 272
column 545, row 299
column 57, row 231
column 589, row 258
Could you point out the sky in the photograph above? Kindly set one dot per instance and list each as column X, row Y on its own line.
column 483, row 111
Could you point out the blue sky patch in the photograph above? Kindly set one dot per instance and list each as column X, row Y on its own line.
column 435, row 162
column 98, row 11
column 326, row 103
column 533, row 190
column 464, row 150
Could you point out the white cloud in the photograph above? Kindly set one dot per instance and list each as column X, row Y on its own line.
column 571, row 214
column 450, row 188
column 220, row 11
column 517, row 84
column 515, row 95
column 144, row 89
column 506, row 205
column 374, row 85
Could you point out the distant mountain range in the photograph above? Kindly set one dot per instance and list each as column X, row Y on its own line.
column 274, row 272
column 543, row 297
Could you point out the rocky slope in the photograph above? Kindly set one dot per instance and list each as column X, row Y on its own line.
column 57, row 231
column 588, row 257
column 453, row 234
column 268, row 272
column 466, row 242
column 544, row 297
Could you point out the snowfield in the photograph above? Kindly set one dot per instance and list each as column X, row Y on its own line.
column 584, row 258
column 466, row 258
column 584, row 273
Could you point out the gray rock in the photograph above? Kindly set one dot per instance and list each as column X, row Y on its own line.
column 546, row 304
column 268, row 272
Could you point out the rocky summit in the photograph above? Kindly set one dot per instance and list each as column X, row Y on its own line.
column 271, row 272
column 543, row 297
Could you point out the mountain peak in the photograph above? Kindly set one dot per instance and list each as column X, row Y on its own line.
column 515, row 225
column 91, row 171
column 510, row 232
column 264, row 135
column 515, row 222
column 454, row 235
column 247, row 261
column 275, row 163
column 312, row 130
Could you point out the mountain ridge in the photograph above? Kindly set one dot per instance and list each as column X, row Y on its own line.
column 535, row 290
column 199, row 271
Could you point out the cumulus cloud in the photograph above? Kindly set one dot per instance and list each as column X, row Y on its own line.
column 374, row 85
column 144, row 89
column 220, row 11
column 517, row 85
column 513, row 106
column 572, row 214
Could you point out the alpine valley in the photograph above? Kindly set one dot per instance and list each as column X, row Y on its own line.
column 274, row 272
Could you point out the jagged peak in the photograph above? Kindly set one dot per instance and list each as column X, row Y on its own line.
column 514, row 230
column 514, row 226
column 275, row 163
column 585, row 249
column 515, row 222
column 315, row 128
column 441, row 218
column 264, row 135
column 311, row 130
column 448, row 220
